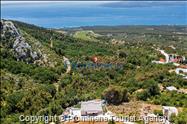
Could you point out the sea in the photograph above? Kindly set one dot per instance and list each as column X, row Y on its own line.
column 60, row 14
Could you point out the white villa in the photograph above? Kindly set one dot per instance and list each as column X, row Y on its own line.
column 88, row 108
column 75, row 112
column 171, row 88
column 168, row 111
column 183, row 70
column 91, row 108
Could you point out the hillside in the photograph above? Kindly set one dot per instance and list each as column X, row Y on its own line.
column 33, row 71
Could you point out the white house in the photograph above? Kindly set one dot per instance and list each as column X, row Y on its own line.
column 75, row 112
column 171, row 88
column 90, row 108
column 183, row 70
column 168, row 111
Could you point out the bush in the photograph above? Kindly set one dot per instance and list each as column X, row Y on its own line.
column 13, row 100
column 152, row 89
column 143, row 95
column 115, row 95
column 122, row 55
column 111, row 122
column 158, row 112
column 44, row 75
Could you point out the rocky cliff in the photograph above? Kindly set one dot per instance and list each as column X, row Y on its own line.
column 12, row 39
column 22, row 50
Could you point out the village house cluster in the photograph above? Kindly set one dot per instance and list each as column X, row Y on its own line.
column 96, row 110
column 177, row 60
column 170, row 58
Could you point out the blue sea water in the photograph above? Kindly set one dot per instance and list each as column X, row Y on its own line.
column 74, row 14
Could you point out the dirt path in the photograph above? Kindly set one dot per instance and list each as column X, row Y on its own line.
column 67, row 63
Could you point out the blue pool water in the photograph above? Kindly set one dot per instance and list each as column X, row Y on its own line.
column 73, row 14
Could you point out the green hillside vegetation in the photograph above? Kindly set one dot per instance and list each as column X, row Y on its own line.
column 86, row 35
column 31, row 89
column 162, row 35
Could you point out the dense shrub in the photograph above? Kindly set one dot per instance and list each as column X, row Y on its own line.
column 151, row 90
column 115, row 95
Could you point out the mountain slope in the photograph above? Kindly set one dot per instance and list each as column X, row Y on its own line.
column 34, row 79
